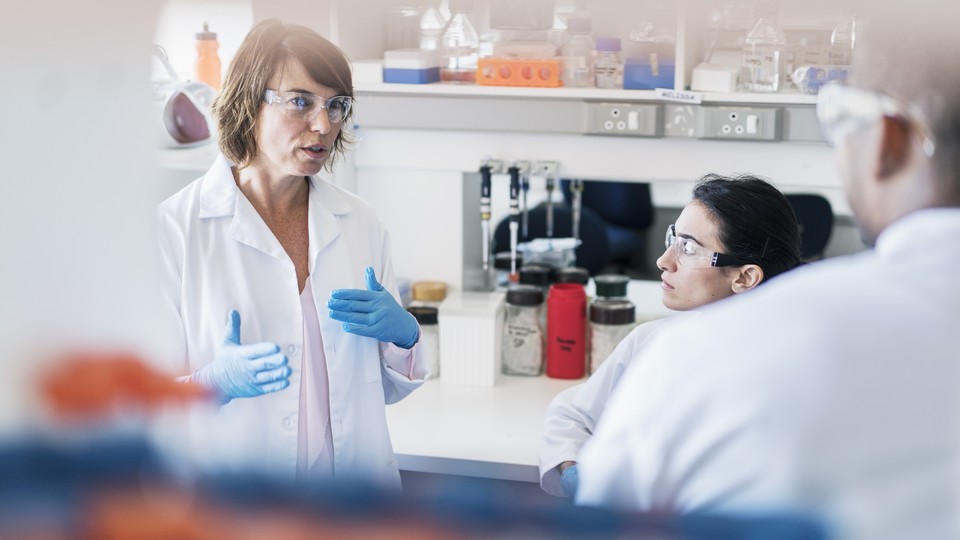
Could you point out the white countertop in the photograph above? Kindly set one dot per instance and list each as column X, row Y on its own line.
column 493, row 431
column 490, row 432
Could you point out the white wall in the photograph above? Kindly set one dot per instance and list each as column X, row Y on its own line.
column 414, row 178
column 180, row 20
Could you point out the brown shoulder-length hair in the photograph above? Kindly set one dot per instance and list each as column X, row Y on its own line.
column 264, row 51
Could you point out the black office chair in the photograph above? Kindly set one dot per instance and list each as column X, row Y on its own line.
column 593, row 252
column 627, row 211
column 815, row 216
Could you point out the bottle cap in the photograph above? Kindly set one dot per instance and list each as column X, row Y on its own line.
column 206, row 34
column 571, row 275
column 611, row 285
column 424, row 314
column 525, row 295
column 535, row 274
column 430, row 291
column 605, row 44
column 605, row 311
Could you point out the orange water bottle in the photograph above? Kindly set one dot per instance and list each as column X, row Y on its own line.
column 207, row 67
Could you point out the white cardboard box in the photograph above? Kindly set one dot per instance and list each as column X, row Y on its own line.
column 471, row 326
column 715, row 78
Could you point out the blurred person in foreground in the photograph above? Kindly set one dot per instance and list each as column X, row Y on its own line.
column 304, row 265
column 835, row 390
column 736, row 233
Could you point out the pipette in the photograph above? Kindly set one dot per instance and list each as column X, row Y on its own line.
column 514, row 172
column 551, row 184
column 576, row 189
column 485, row 173
column 525, row 210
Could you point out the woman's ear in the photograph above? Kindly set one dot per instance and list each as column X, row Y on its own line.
column 747, row 277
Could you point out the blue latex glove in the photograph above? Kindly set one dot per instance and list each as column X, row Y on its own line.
column 243, row 370
column 568, row 481
column 374, row 313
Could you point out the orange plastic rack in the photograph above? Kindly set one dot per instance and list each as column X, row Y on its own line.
column 519, row 72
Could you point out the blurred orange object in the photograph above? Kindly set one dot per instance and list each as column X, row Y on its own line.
column 90, row 384
column 519, row 72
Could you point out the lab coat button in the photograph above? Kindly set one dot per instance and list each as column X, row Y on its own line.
column 287, row 423
column 291, row 349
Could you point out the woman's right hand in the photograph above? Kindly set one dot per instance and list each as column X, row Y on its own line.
column 568, row 478
column 243, row 370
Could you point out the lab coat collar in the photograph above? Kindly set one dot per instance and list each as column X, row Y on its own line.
column 220, row 197
column 917, row 229
column 218, row 191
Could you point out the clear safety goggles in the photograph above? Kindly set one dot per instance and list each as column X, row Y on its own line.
column 690, row 254
column 308, row 106
column 843, row 109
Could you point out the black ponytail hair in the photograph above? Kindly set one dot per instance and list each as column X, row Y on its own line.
column 755, row 221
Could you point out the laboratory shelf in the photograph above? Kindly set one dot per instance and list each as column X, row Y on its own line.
column 587, row 94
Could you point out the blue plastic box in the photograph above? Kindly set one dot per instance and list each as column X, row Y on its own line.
column 638, row 75
column 411, row 76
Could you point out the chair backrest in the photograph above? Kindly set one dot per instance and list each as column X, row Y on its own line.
column 625, row 204
column 815, row 216
column 593, row 254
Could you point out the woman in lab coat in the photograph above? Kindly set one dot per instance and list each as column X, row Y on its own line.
column 734, row 235
column 261, row 243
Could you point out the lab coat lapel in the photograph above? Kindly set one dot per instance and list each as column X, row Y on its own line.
column 220, row 197
column 331, row 269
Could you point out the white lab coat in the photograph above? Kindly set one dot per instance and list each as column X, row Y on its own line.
column 573, row 414
column 834, row 389
column 218, row 254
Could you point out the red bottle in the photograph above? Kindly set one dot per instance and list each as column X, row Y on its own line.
column 566, row 331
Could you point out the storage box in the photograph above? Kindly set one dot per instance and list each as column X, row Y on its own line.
column 640, row 74
column 411, row 66
column 715, row 78
column 471, row 326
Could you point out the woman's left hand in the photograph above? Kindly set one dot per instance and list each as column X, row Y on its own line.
column 374, row 313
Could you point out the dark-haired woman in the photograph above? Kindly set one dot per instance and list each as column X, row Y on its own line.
column 304, row 264
column 736, row 234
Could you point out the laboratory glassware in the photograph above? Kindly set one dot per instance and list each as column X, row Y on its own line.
column 432, row 23
column 522, row 345
column 763, row 53
column 577, row 52
column 609, row 67
column 611, row 320
column 459, row 45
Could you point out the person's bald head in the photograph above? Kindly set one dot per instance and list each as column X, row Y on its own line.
column 910, row 52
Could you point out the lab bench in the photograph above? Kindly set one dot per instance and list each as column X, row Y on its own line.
column 488, row 432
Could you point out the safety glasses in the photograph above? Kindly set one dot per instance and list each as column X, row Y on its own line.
column 690, row 254
column 843, row 109
column 308, row 106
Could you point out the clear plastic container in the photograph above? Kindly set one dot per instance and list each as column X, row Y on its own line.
column 609, row 66
column 522, row 349
column 577, row 52
column 458, row 46
column 843, row 40
column 611, row 320
column 763, row 53
column 428, row 348
column 432, row 23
